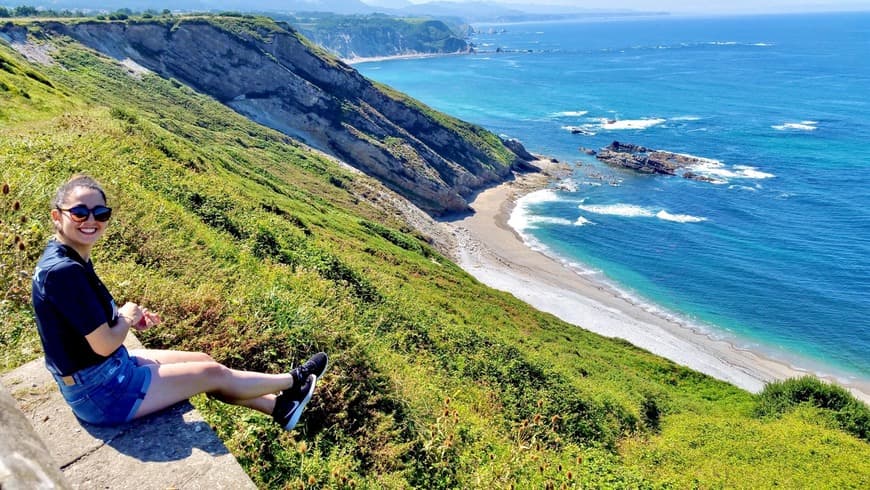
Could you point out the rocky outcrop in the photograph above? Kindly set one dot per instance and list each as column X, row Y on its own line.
column 650, row 161
column 519, row 150
column 270, row 73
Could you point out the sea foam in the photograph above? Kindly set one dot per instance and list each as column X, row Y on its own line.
column 717, row 170
column 679, row 218
column 522, row 219
column 748, row 172
column 635, row 211
column 612, row 124
column 797, row 126
column 581, row 221
column 624, row 210
column 570, row 114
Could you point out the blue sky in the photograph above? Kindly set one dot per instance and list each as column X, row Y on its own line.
column 699, row 6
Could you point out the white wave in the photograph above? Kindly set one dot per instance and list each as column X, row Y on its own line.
column 634, row 211
column 704, row 161
column 625, row 210
column 543, row 195
column 743, row 188
column 717, row 170
column 798, row 126
column 581, row 221
column 679, row 218
column 567, row 185
column 522, row 219
column 549, row 220
column 748, row 172
column 613, row 124
column 762, row 44
column 570, row 114
column 685, row 118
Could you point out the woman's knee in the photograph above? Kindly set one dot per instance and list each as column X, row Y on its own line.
column 216, row 371
column 202, row 357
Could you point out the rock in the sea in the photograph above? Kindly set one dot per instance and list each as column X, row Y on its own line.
column 651, row 161
column 637, row 158
column 701, row 178
column 588, row 151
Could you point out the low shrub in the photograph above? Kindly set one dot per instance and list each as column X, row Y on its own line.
column 782, row 396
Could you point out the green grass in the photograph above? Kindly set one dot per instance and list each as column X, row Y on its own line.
column 261, row 252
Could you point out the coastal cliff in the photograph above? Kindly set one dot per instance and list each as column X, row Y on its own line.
column 271, row 74
column 366, row 36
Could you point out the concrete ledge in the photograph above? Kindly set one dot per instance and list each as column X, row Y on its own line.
column 24, row 459
column 172, row 449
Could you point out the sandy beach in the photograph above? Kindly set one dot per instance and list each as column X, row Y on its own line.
column 409, row 56
column 489, row 249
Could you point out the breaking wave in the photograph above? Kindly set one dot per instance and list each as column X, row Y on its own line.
column 797, row 126
column 679, row 218
column 620, row 124
column 581, row 221
column 717, row 170
column 634, row 211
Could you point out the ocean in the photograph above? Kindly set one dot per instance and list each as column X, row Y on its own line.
column 772, row 251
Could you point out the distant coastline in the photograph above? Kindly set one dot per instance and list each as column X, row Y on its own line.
column 490, row 250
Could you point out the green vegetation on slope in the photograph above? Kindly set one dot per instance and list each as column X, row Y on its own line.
column 259, row 251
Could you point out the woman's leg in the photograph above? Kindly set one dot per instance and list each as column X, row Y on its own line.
column 172, row 383
column 160, row 356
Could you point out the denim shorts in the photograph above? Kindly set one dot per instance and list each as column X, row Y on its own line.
column 108, row 393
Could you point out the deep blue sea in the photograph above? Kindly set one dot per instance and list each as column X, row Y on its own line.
column 775, row 253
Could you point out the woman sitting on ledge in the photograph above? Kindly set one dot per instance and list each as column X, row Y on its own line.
column 83, row 331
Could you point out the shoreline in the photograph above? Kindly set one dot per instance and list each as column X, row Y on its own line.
column 494, row 253
column 409, row 56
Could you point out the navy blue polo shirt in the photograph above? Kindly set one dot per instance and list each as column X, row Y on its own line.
column 70, row 302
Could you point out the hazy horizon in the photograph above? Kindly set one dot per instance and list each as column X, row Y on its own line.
column 675, row 6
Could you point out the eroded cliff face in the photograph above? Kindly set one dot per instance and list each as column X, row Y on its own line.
column 268, row 73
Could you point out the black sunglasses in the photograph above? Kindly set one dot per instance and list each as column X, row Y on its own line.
column 80, row 213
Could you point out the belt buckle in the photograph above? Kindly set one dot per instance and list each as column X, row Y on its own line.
column 68, row 380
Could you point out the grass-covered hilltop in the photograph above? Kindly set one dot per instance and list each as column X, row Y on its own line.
column 261, row 250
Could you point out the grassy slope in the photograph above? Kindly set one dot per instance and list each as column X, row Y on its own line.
column 260, row 252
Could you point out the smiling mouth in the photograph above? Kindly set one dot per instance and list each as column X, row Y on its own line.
column 88, row 231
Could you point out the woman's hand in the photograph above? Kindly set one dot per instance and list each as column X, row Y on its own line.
column 147, row 320
column 131, row 313
column 105, row 340
column 138, row 317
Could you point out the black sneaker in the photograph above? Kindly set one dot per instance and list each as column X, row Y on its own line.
column 290, row 403
column 316, row 366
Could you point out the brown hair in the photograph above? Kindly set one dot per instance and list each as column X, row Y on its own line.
column 79, row 180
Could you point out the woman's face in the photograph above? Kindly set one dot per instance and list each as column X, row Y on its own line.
column 81, row 236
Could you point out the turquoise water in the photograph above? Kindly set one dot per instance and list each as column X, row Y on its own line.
column 776, row 252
